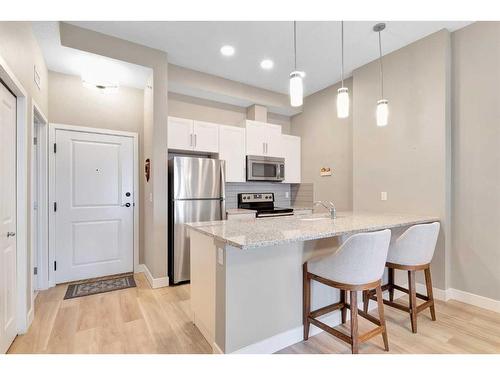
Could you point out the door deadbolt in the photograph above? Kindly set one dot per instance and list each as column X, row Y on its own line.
column 127, row 204
column 127, row 194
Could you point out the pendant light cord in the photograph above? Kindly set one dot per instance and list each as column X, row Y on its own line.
column 342, row 44
column 295, row 44
column 381, row 67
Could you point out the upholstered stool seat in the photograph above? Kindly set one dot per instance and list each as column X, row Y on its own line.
column 357, row 265
column 412, row 251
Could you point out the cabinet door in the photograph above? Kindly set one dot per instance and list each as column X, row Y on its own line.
column 180, row 132
column 263, row 139
column 232, row 150
column 274, row 142
column 206, row 137
column 291, row 150
column 256, row 138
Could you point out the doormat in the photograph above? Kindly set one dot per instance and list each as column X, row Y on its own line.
column 88, row 288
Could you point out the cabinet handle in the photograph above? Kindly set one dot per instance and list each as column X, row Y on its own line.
column 195, row 140
column 190, row 140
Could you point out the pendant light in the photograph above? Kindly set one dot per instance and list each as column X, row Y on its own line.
column 343, row 92
column 296, row 84
column 382, row 103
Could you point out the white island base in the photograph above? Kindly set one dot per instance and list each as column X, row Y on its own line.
column 246, row 297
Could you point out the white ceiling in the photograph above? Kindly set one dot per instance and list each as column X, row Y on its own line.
column 86, row 65
column 196, row 45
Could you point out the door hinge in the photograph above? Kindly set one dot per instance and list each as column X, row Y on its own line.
column 55, row 148
column 35, row 271
column 55, row 206
column 55, row 265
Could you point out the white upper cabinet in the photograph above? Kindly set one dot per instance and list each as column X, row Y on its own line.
column 263, row 139
column 232, row 150
column 189, row 135
column 180, row 133
column 291, row 151
column 205, row 137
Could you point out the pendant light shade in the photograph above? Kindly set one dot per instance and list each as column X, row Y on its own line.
column 343, row 102
column 296, row 77
column 343, row 92
column 382, row 112
column 296, row 89
column 382, row 104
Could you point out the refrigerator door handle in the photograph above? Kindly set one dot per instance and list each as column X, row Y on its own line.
column 223, row 190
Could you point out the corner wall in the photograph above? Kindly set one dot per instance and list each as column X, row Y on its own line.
column 475, row 259
column 326, row 142
column 410, row 157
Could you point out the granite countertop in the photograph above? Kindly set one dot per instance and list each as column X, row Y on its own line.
column 254, row 233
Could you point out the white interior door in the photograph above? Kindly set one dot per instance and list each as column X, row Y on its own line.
column 7, row 218
column 94, row 196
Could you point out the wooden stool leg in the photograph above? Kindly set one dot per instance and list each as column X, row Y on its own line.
column 413, row 300
column 391, row 283
column 343, row 299
column 306, row 301
column 428, row 284
column 366, row 300
column 354, row 322
column 380, row 303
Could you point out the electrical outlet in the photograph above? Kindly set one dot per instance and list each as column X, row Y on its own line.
column 383, row 195
column 220, row 256
column 150, row 197
column 287, row 194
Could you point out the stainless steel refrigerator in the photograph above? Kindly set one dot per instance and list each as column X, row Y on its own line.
column 196, row 188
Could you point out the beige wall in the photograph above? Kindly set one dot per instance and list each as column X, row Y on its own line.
column 207, row 110
column 20, row 51
column 326, row 142
column 72, row 104
column 475, row 260
column 409, row 159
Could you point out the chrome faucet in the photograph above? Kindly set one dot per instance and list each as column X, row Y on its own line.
column 329, row 206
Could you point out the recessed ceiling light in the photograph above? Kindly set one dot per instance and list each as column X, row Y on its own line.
column 266, row 64
column 227, row 50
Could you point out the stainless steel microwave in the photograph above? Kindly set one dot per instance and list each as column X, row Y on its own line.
column 264, row 168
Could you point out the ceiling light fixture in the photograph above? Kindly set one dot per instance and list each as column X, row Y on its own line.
column 296, row 84
column 267, row 64
column 382, row 104
column 227, row 50
column 104, row 88
column 342, row 92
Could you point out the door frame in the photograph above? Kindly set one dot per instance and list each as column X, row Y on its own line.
column 52, row 167
column 42, row 189
column 22, row 170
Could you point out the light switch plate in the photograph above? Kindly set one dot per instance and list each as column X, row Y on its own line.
column 383, row 195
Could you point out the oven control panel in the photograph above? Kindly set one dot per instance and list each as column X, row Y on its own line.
column 255, row 197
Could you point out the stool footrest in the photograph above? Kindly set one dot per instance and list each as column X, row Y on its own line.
column 327, row 309
column 331, row 330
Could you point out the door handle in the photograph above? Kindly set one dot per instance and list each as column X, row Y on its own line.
column 11, row 234
column 195, row 140
column 126, row 205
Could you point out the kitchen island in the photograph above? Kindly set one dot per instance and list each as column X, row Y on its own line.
column 246, row 276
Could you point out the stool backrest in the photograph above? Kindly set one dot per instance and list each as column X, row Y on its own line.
column 415, row 246
column 361, row 259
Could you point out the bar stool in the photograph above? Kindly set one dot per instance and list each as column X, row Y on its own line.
column 411, row 252
column 357, row 265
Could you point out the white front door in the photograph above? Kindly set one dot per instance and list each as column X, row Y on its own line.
column 7, row 218
column 94, row 205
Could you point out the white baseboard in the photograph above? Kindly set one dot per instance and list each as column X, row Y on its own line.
column 282, row 340
column 158, row 282
column 473, row 299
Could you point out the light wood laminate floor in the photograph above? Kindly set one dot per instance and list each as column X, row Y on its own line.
column 145, row 320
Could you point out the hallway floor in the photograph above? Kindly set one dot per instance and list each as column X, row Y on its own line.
column 145, row 320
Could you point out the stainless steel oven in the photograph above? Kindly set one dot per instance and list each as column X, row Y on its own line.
column 263, row 168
